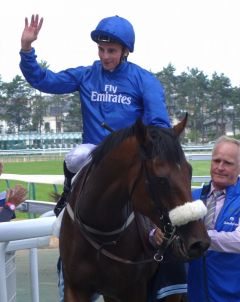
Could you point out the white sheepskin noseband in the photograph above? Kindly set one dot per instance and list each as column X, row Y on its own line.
column 190, row 211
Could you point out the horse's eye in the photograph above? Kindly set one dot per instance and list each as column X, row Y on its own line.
column 162, row 181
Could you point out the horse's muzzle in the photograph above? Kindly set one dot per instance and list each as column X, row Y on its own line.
column 192, row 241
column 197, row 249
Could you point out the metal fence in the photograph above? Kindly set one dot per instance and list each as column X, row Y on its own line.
column 18, row 235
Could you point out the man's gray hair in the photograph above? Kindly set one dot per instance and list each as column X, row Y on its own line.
column 226, row 139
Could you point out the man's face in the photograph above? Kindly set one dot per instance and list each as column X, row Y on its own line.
column 225, row 165
column 110, row 55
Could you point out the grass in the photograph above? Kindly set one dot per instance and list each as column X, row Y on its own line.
column 55, row 167
column 52, row 167
column 200, row 167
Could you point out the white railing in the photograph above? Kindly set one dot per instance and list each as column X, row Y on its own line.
column 26, row 234
column 198, row 156
column 41, row 179
column 18, row 235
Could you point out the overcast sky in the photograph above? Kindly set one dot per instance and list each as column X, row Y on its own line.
column 201, row 34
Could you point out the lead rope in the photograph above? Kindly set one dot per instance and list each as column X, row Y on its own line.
column 159, row 255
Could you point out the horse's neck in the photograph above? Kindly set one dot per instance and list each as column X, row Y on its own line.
column 103, row 200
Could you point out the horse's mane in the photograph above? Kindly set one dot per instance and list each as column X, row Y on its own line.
column 164, row 144
column 110, row 142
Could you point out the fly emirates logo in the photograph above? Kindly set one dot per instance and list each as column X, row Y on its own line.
column 110, row 95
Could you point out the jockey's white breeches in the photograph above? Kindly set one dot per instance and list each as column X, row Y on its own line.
column 78, row 157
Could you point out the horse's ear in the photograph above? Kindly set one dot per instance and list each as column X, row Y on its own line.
column 178, row 129
column 140, row 131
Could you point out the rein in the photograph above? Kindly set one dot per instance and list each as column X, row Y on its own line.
column 158, row 256
column 86, row 230
column 97, row 232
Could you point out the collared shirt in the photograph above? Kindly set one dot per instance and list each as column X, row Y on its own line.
column 228, row 242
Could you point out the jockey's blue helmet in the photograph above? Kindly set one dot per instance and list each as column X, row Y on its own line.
column 115, row 29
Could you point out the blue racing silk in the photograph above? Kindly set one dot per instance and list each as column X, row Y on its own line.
column 215, row 277
column 117, row 98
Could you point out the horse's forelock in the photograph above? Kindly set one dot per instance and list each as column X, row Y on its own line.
column 166, row 144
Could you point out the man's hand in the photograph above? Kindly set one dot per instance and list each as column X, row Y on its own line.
column 158, row 236
column 16, row 195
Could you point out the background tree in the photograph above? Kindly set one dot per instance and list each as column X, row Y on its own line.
column 73, row 119
column 234, row 110
column 17, row 106
column 39, row 104
column 219, row 100
column 193, row 89
column 169, row 82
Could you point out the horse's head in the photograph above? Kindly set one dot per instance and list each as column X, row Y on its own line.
column 163, row 192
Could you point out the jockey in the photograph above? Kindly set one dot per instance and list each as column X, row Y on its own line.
column 112, row 90
column 114, row 30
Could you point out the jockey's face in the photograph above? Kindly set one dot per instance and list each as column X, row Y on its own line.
column 110, row 55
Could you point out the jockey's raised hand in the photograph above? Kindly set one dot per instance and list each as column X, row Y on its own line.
column 30, row 32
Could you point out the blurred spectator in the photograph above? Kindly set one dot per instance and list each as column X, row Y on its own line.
column 10, row 199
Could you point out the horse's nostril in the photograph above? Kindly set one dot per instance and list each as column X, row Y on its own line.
column 198, row 248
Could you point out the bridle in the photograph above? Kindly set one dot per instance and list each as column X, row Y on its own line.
column 90, row 233
column 168, row 229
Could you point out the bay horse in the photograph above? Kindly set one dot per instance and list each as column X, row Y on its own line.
column 104, row 244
